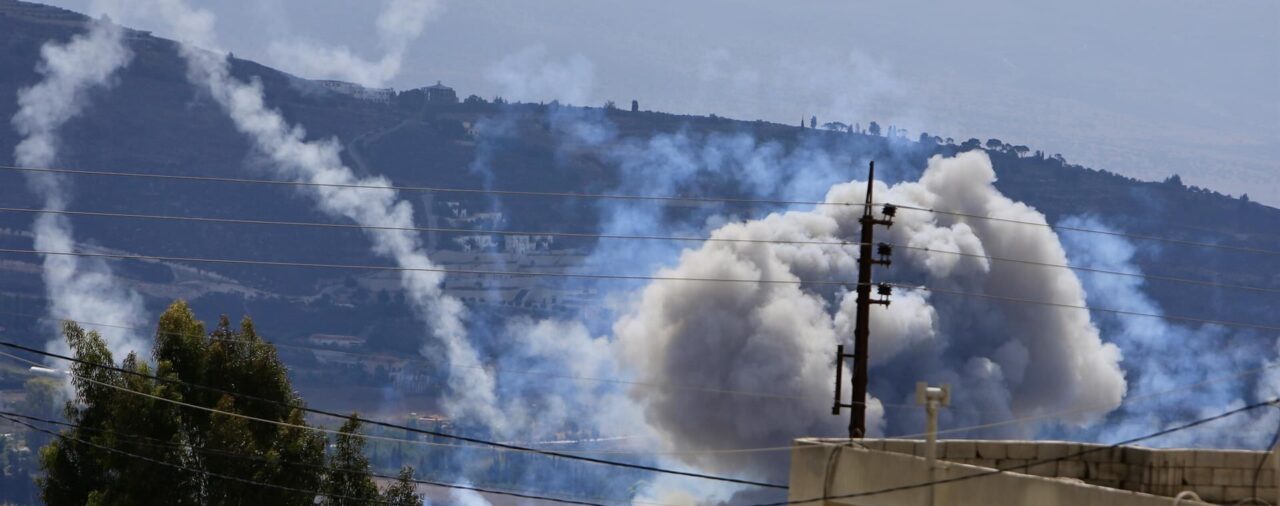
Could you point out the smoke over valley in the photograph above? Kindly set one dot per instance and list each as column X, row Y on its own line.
column 624, row 284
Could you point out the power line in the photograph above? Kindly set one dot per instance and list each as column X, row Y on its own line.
column 389, row 425
column 1178, row 428
column 581, row 235
column 1003, row 298
column 1226, row 323
column 1127, row 235
column 180, row 467
column 672, row 386
column 585, row 235
column 159, row 443
column 535, row 274
column 1128, row 401
column 432, row 189
column 629, row 197
column 12, row 418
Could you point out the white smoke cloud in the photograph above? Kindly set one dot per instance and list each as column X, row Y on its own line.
column 530, row 76
column 400, row 22
column 294, row 157
column 1004, row 359
column 78, row 288
column 1161, row 355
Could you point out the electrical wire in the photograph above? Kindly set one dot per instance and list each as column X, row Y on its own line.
column 1056, row 414
column 633, row 197
column 467, row 439
column 180, row 467
column 487, row 367
column 1171, row 430
column 1225, row 323
column 514, row 274
column 584, row 235
column 160, row 443
column 14, row 419
column 435, row 189
column 1126, row 235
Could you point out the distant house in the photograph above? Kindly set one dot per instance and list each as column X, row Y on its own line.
column 380, row 95
column 335, row 341
column 440, row 94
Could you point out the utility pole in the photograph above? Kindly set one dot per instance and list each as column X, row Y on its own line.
column 858, row 402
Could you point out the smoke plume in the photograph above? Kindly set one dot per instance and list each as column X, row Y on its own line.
column 1004, row 359
column 528, row 76
column 291, row 155
column 400, row 22
column 1211, row 363
column 80, row 289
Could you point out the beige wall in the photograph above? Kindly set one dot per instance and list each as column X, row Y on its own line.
column 858, row 469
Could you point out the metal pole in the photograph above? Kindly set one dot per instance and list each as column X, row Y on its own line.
column 858, row 411
column 932, row 398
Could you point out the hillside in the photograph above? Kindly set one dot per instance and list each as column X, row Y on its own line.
column 154, row 121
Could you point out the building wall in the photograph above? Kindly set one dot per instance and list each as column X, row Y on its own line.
column 824, row 470
column 1223, row 476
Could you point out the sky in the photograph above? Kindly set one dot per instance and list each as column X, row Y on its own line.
column 1144, row 88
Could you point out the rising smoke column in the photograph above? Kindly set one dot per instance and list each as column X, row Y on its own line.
column 400, row 22
column 293, row 157
column 1163, row 357
column 1003, row 360
column 79, row 289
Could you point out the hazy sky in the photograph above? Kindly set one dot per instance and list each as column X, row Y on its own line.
column 1141, row 87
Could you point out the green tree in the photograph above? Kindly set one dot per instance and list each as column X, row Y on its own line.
column 347, row 481
column 403, row 492
column 98, row 461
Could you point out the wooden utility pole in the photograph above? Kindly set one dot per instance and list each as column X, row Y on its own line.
column 857, row 403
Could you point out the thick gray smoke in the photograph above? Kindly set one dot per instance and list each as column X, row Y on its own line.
column 400, row 22
column 78, row 288
column 1004, row 360
column 294, row 157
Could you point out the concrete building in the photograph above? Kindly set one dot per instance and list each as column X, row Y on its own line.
column 380, row 95
column 1045, row 473
column 440, row 94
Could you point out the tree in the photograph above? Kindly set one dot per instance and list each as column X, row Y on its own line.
column 1174, row 180
column 97, row 461
column 950, row 141
column 835, row 126
column 873, row 128
column 635, row 106
column 813, row 122
column 609, row 105
column 994, row 144
column 1021, row 150
column 347, row 481
column 1244, row 197
column 42, row 397
column 473, row 100
column 972, row 143
column 403, row 492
